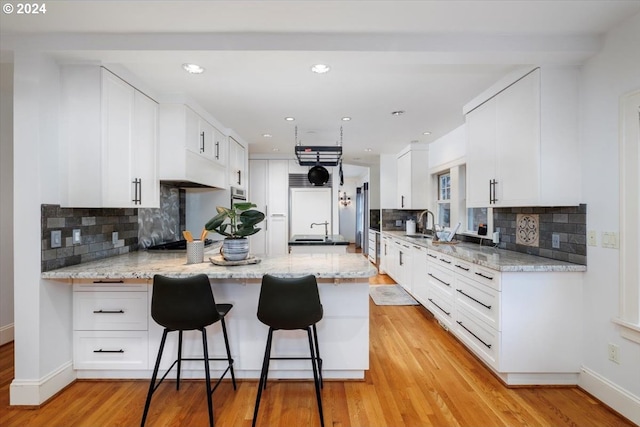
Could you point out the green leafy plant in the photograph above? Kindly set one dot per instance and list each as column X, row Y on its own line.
column 241, row 220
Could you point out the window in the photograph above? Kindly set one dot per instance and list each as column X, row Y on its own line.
column 629, row 318
column 475, row 217
column 444, row 199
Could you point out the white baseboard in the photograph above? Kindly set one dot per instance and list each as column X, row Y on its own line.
column 36, row 392
column 6, row 334
column 618, row 399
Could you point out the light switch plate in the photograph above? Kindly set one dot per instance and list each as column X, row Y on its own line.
column 56, row 239
column 609, row 239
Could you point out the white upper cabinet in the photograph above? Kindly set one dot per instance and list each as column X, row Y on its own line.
column 522, row 144
column 108, row 141
column 237, row 162
column 191, row 149
column 413, row 178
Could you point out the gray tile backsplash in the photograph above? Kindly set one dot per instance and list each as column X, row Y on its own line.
column 396, row 219
column 96, row 227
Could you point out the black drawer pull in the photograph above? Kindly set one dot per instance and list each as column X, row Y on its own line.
column 486, row 277
column 474, row 335
column 472, row 298
column 439, row 280
column 432, row 256
column 445, row 261
column 462, row 268
column 108, row 311
column 448, row 313
column 108, row 281
column 108, row 351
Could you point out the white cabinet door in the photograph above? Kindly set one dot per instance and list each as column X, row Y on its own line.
column 518, row 143
column 145, row 155
column 278, row 187
column 419, row 278
column 278, row 237
column 404, row 181
column 481, row 155
column 193, row 139
column 220, row 148
column 237, row 155
column 258, row 188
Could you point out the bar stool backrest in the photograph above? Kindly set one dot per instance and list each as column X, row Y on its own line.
column 183, row 303
column 289, row 303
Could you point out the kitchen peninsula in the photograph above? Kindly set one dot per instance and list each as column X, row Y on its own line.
column 115, row 337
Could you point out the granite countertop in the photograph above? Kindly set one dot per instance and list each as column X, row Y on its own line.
column 496, row 259
column 317, row 240
column 144, row 265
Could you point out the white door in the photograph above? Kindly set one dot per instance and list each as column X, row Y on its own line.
column 310, row 205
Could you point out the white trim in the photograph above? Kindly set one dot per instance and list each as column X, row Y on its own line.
column 447, row 166
column 619, row 399
column 6, row 334
column 629, row 131
column 36, row 392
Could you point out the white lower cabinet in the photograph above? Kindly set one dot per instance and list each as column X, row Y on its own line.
column 110, row 325
column 525, row 326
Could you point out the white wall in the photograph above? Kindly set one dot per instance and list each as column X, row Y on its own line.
column 608, row 75
column 6, row 203
column 448, row 148
column 43, row 362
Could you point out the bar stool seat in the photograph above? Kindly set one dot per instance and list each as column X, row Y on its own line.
column 291, row 304
column 185, row 304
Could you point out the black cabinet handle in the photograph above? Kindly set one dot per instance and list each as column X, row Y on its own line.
column 473, row 299
column 482, row 275
column 492, row 191
column 400, row 257
column 108, row 351
column 448, row 313
column 137, row 191
column 217, row 150
column 439, row 280
column 108, row 281
column 445, row 261
column 202, row 142
column 461, row 267
column 474, row 335
column 109, row 311
column 402, row 201
column 239, row 177
column 432, row 256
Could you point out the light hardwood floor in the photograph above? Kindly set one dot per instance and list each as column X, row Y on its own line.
column 419, row 376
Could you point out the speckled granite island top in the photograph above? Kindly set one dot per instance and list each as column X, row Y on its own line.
column 144, row 265
column 496, row 259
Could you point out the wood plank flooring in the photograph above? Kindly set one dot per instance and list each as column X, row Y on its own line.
column 419, row 376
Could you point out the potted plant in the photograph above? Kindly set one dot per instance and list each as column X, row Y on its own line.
column 235, row 223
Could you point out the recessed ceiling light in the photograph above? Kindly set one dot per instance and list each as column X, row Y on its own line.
column 267, row 135
column 289, row 119
column 320, row 68
column 193, row 68
column 276, row 149
column 346, row 119
column 426, row 133
column 397, row 113
column 368, row 149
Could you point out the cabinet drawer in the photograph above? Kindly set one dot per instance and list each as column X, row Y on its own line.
column 478, row 336
column 129, row 285
column 110, row 350
column 110, row 311
column 482, row 300
column 440, row 259
column 441, row 305
column 463, row 268
column 487, row 276
column 441, row 279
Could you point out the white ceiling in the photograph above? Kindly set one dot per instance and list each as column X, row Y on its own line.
column 427, row 58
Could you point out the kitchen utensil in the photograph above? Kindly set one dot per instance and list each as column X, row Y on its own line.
column 187, row 236
column 203, row 235
column 318, row 175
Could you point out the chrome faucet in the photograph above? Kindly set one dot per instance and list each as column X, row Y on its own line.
column 326, row 228
column 421, row 219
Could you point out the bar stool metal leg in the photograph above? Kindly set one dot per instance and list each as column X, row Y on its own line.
column 226, row 344
column 317, row 353
column 207, row 375
column 315, row 377
column 179, row 360
column 263, row 375
column 152, row 383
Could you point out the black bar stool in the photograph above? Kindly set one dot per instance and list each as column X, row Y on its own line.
column 185, row 304
column 290, row 304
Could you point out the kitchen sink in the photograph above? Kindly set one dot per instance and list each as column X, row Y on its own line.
column 418, row 236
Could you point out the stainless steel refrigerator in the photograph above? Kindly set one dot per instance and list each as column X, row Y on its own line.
column 362, row 217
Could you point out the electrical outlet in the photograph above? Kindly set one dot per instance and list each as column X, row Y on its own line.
column 56, row 239
column 398, row 223
column 114, row 237
column 614, row 353
column 555, row 240
column 76, row 239
column 592, row 239
column 610, row 239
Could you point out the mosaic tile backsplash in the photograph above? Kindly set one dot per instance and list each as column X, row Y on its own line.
column 517, row 226
column 166, row 223
column 96, row 227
